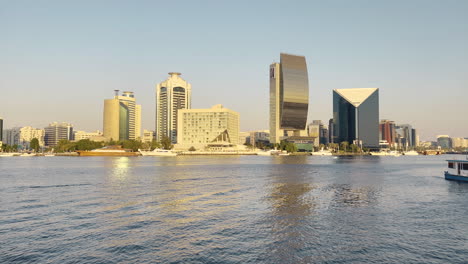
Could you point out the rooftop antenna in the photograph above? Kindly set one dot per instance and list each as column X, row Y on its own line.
column 116, row 92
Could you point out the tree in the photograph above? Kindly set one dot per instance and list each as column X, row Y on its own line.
column 344, row 145
column 291, row 147
column 354, row 148
column 192, row 148
column 155, row 145
column 166, row 143
column 132, row 144
column 65, row 146
column 34, row 144
column 86, row 144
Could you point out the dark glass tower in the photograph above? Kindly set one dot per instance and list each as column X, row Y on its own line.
column 356, row 116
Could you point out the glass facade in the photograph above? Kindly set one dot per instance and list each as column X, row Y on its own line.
column 123, row 122
column 294, row 92
column 356, row 120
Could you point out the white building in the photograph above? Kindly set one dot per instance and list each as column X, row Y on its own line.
column 27, row 133
column 148, row 136
column 201, row 127
column 11, row 136
column 56, row 132
column 80, row 135
column 171, row 95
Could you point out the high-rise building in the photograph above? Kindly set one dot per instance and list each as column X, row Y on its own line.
column 28, row 133
column 356, row 116
column 387, row 131
column 331, row 129
column 171, row 95
column 122, row 117
column 444, row 141
column 314, row 130
column 56, row 132
column 12, row 136
column 289, row 97
column 1, row 130
column 200, row 127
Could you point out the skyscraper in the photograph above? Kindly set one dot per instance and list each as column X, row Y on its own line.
column 289, row 97
column 356, row 116
column 171, row 95
column 122, row 117
column 1, row 130
column 56, row 132
column 387, row 131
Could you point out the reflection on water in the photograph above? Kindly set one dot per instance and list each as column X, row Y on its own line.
column 290, row 209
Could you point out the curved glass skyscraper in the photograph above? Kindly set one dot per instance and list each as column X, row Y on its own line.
column 289, row 97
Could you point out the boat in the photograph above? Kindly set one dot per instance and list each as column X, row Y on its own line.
column 49, row 155
column 158, row 152
column 108, row 151
column 457, row 170
column 270, row 152
column 7, row 154
column 385, row 153
column 27, row 154
column 411, row 153
column 322, row 152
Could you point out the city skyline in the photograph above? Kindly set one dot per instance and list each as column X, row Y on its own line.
column 414, row 52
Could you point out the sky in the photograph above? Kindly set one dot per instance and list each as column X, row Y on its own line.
column 59, row 60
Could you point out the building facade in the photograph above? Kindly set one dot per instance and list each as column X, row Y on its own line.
column 11, row 136
column 1, row 131
column 387, row 131
column 148, row 136
column 122, row 117
column 444, row 141
column 200, row 127
column 171, row 95
column 56, row 132
column 289, row 97
column 28, row 133
column 81, row 135
column 356, row 116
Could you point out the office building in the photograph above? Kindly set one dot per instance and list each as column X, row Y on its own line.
column 259, row 137
column 200, row 127
column 56, row 132
column 356, row 116
column 27, row 133
column 93, row 136
column 171, row 95
column 11, row 136
column 289, row 97
column 444, row 141
column 148, row 136
column 122, row 117
column 331, row 129
column 387, row 131
column 244, row 137
column 1, row 131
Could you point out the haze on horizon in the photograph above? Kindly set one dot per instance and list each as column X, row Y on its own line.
column 59, row 60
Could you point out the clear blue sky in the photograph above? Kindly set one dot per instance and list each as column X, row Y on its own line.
column 60, row 59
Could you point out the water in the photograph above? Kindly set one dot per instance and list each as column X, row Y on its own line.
column 238, row 209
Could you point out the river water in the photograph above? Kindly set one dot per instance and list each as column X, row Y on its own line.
column 236, row 209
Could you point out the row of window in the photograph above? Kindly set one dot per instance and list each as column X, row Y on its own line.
column 463, row 166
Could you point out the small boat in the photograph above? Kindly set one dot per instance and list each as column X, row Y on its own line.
column 386, row 153
column 411, row 153
column 108, row 151
column 457, row 170
column 7, row 154
column 49, row 155
column 28, row 154
column 322, row 152
column 270, row 152
column 158, row 152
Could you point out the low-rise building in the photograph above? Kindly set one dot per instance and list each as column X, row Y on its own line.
column 148, row 136
column 56, row 132
column 93, row 136
column 27, row 133
column 199, row 127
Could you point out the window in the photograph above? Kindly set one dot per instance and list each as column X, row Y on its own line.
column 451, row 165
column 464, row 166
